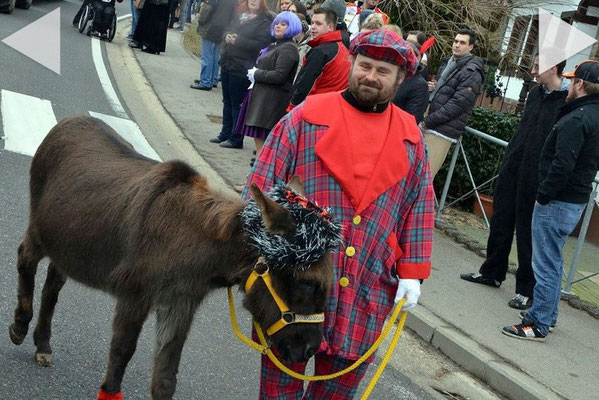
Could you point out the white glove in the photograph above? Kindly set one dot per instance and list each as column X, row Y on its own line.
column 410, row 288
column 251, row 73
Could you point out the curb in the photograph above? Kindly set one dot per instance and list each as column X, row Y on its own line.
column 481, row 362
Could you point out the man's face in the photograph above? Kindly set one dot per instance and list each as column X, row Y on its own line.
column 319, row 25
column 373, row 82
column 284, row 5
column 370, row 4
column 575, row 89
column 544, row 78
column 461, row 46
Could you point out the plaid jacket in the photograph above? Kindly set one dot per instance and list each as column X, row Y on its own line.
column 387, row 233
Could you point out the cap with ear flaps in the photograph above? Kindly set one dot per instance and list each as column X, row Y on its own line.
column 336, row 6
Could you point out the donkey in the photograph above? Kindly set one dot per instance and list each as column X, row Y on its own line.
column 157, row 238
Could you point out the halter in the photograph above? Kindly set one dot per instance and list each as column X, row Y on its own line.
column 287, row 317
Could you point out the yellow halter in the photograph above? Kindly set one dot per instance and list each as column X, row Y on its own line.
column 287, row 317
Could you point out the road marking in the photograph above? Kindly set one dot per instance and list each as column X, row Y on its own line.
column 130, row 132
column 109, row 91
column 122, row 17
column 26, row 121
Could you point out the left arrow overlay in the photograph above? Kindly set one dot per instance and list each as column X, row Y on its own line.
column 40, row 41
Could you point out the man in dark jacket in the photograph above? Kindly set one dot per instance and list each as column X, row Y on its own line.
column 569, row 163
column 412, row 94
column 516, row 187
column 326, row 67
column 458, row 83
column 213, row 19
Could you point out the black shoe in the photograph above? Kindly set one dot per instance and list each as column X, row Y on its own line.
column 525, row 331
column 520, row 302
column 215, row 85
column 252, row 161
column 479, row 278
column 134, row 45
column 254, row 152
column 150, row 50
column 525, row 318
column 216, row 140
column 200, row 87
column 227, row 144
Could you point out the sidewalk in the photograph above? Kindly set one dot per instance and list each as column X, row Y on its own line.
column 463, row 320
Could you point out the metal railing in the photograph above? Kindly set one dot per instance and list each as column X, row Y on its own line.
column 475, row 189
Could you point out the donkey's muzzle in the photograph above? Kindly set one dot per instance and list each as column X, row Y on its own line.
column 297, row 353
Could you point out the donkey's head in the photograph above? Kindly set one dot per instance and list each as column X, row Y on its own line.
column 287, row 289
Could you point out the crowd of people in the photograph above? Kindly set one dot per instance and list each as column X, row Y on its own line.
column 338, row 96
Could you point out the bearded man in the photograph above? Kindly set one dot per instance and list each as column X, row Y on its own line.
column 364, row 159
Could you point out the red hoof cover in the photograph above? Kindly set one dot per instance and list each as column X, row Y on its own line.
column 102, row 395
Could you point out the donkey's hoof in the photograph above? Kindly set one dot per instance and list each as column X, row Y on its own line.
column 15, row 336
column 44, row 359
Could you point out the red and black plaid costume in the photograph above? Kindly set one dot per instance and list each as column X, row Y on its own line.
column 389, row 225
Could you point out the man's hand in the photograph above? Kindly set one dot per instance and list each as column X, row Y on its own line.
column 431, row 85
column 410, row 288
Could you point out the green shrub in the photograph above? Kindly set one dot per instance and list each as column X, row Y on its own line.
column 484, row 157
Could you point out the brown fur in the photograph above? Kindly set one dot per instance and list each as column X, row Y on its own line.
column 155, row 236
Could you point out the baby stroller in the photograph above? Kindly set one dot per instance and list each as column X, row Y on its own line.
column 102, row 15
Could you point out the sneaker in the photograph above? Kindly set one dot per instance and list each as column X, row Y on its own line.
column 525, row 331
column 520, row 302
column 524, row 315
column 479, row 278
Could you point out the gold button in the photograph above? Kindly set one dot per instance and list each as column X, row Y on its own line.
column 343, row 282
column 350, row 251
column 357, row 220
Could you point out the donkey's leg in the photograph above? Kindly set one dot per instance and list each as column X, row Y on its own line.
column 129, row 317
column 172, row 326
column 43, row 330
column 30, row 253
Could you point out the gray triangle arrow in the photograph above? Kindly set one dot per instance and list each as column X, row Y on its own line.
column 40, row 40
column 558, row 40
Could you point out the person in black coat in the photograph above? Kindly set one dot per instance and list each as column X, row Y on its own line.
column 273, row 79
column 246, row 36
column 568, row 165
column 412, row 94
column 150, row 33
column 459, row 82
column 516, row 188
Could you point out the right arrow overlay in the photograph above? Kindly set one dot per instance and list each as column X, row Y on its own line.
column 558, row 40
column 40, row 40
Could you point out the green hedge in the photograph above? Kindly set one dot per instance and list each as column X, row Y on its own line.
column 484, row 157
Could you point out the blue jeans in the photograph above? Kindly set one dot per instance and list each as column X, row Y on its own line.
column 209, row 63
column 551, row 225
column 234, row 88
column 134, row 18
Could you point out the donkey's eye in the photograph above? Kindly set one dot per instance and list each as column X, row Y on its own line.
column 307, row 288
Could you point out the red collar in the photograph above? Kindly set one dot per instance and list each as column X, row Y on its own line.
column 334, row 148
column 333, row 36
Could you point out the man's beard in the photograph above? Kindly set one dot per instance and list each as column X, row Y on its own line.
column 369, row 93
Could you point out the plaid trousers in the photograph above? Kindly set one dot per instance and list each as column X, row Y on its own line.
column 277, row 385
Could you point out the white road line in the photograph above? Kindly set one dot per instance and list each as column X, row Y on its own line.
column 26, row 121
column 130, row 132
column 109, row 91
column 122, row 17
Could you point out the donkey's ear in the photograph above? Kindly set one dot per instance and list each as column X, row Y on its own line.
column 296, row 184
column 277, row 219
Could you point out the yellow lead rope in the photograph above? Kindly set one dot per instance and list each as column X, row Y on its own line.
column 265, row 349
